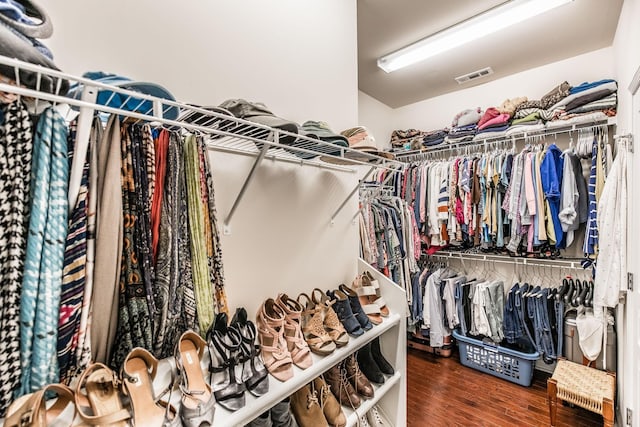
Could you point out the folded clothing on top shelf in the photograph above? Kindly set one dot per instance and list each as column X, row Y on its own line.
column 467, row 117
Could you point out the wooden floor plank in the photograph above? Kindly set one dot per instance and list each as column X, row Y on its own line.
column 442, row 392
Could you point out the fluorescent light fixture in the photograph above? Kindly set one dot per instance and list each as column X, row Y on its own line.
column 481, row 25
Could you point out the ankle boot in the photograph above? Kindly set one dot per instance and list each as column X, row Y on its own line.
column 306, row 407
column 281, row 415
column 356, row 307
column 378, row 357
column 264, row 420
column 368, row 365
column 359, row 382
column 330, row 407
column 341, row 388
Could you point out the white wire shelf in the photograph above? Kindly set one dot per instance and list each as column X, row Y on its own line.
column 224, row 132
column 565, row 263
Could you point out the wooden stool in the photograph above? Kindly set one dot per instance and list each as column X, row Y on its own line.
column 589, row 388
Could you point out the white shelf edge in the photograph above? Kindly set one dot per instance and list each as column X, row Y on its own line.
column 380, row 391
column 278, row 390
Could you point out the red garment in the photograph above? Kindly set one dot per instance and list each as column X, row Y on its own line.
column 162, row 146
column 489, row 114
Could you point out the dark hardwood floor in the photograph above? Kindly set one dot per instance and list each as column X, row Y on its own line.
column 442, row 392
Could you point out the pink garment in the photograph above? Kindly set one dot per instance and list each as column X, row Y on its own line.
column 500, row 119
column 529, row 188
column 489, row 114
column 459, row 213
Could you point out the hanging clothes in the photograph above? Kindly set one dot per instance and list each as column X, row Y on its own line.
column 16, row 145
column 109, row 238
column 40, row 299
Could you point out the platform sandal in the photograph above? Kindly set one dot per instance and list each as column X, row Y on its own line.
column 273, row 346
column 97, row 397
column 147, row 408
column 31, row 410
column 331, row 322
column 319, row 340
column 342, row 307
column 369, row 280
column 197, row 402
column 367, row 295
column 296, row 344
column 254, row 374
column 224, row 350
column 356, row 307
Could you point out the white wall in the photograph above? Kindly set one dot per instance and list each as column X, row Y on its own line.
column 438, row 112
column 627, row 60
column 377, row 118
column 298, row 57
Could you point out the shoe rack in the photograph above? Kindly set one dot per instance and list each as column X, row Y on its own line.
column 390, row 396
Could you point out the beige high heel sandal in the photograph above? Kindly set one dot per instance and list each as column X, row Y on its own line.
column 296, row 344
column 273, row 346
column 30, row 410
column 319, row 340
column 332, row 324
column 138, row 372
column 97, row 392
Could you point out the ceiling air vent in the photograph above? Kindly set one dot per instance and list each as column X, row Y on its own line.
column 474, row 75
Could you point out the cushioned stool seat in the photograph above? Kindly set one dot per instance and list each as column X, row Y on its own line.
column 589, row 388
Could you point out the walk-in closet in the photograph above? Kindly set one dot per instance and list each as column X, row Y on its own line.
column 322, row 213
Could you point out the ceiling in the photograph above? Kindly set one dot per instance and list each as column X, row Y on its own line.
column 387, row 25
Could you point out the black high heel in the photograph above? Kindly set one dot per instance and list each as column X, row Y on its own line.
column 224, row 348
column 254, row 374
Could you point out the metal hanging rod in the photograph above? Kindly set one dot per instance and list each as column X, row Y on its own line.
column 563, row 263
column 509, row 139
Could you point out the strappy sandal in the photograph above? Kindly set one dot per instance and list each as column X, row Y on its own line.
column 97, row 392
column 319, row 340
column 273, row 346
column 198, row 403
column 254, row 375
column 138, row 372
column 331, row 322
column 296, row 343
column 366, row 295
column 224, row 350
column 369, row 280
column 30, row 410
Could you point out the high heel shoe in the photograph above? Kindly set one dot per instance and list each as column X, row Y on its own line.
column 198, row 403
column 342, row 307
column 331, row 322
column 97, row 392
column 369, row 280
column 273, row 346
column 254, row 375
column 224, row 347
column 296, row 343
column 31, row 410
column 367, row 295
column 313, row 327
column 356, row 307
column 138, row 372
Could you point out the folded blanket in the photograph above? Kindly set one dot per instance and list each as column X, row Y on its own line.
column 555, row 95
column 573, row 119
column 586, row 85
column 587, row 98
column 509, row 106
column 528, row 104
column 607, row 103
column 467, row 117
column 611, row 86
column 526, row 128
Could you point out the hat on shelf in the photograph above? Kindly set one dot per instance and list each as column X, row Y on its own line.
column 257, row 112
column 361, row 140
column 322, row 131
column 114, row 99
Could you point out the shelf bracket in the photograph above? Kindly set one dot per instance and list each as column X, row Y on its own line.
column 364, row 178
column 226, row 229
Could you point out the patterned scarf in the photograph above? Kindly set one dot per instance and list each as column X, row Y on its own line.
column 16, row 144
column 39, row 303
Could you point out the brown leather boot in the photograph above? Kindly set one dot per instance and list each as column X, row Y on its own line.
column 330, row 406
column 336, row 378
column 306, row 407
column 357, row 378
